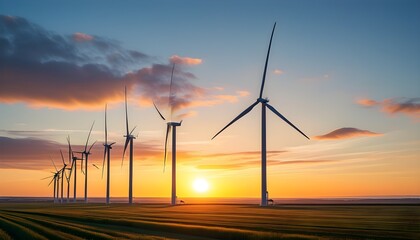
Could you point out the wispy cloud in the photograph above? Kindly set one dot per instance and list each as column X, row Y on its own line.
column 81, row 37
column 257, row 163
column 278, row 71
column 344, row 133
column 316, row 79
column 34, row 153
column 407, row 106
column 185, row 60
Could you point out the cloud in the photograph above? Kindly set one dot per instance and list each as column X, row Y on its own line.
column 186, row 101
column 42, row 69
column 407, row 106
column 81, row 37
column 257, row 163
column 347, row 132
column 278, row 71
column 35, row 153
column 185, row 60
column 317, row 79
column 367, row 102
column 187, row 115
column 243, row 93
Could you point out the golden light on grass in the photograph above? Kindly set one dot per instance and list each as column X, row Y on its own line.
column 200, row 185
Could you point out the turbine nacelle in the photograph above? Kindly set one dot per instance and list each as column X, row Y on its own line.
column 174, row 124
column 109, row 145
column 263, row 100
column 130, row 136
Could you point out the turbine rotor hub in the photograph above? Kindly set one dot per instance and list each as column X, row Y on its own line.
column 263, row 100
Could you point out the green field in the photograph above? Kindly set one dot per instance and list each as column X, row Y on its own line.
column 213, row 221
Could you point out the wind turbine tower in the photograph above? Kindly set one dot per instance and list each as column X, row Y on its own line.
column 85, row 157
column 129, row 141
column 73, row 169
column 171, row 125
column 107, row 156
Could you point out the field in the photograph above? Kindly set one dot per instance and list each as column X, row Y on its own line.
column 208, row 221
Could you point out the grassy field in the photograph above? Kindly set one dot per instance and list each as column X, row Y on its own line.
column 200, row 221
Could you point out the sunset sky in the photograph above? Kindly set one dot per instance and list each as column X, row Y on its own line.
column 347, row 73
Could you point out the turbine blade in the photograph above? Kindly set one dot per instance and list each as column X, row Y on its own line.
column 106, row 130
column 285, row 119
column 71, row 155
column 168, row 130
column 62, row 157
column 95, row 166
column 90, row 131
column 159, row 112
column 103, row 162
column 45, row 178
column 125, row 148
column 126, row 112
column 65, row 175
column 133, row 130
column 52, row 180
column 53, row 164
column 238, row 117
column 71, row 169
column 92, row 146
column 266, row 62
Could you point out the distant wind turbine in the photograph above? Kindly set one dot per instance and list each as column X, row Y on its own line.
column 107, row 156
column 54, row 178
column 63, row 175
column 264, row 105
column 85, row 157
column 129, row 140
column 171, row 125
column 69, row 169
column 73, row 168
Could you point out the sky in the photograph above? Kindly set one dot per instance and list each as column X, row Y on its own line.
column 346, row 73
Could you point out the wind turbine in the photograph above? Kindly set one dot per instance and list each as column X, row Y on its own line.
column 85, row 157
column 129, row 140
column 73, row 168
column 53, row 179
column 62, row 175
column 107, row 155
column 68, row 177
column 171, row 125
column 264, row 105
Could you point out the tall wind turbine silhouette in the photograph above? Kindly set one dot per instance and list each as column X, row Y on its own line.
column 107, row 156
column 63, row 174
column 129, row 140
column 73, row 168
column 85, row 157
column 171, row 125
column 55, row 179
column 68, row 176
column 264, row 105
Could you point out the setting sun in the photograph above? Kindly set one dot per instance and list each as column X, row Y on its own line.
column 200, row 185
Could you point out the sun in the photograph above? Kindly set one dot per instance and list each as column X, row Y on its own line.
column 200, row 185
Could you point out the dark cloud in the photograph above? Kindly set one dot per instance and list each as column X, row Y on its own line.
column 81, row 71
column 35, row 153
column 347, row 132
